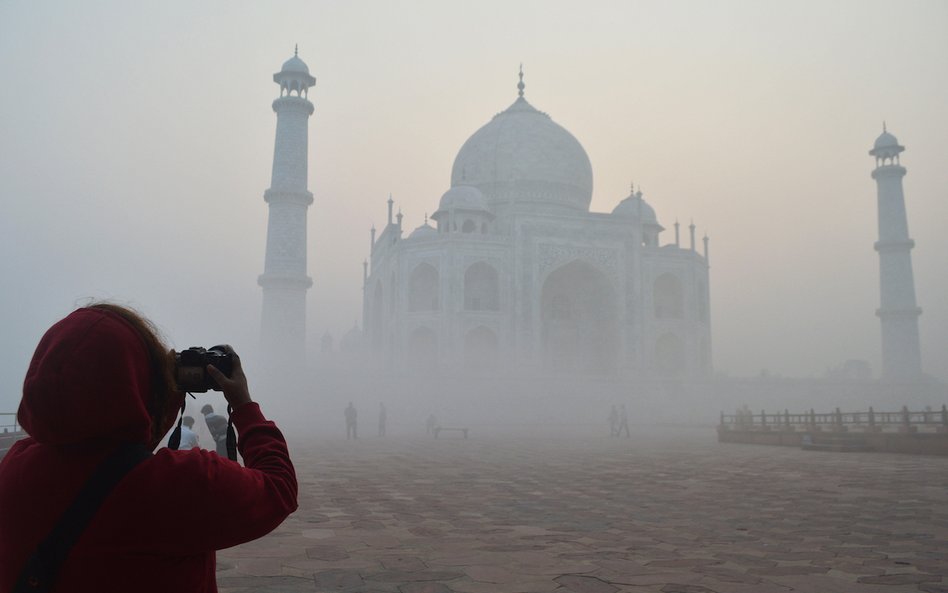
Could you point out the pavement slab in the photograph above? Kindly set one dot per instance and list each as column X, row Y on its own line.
column 666, row 511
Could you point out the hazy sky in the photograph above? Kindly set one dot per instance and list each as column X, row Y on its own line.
column 136, row 141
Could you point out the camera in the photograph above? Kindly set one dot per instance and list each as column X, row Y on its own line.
column 190, row 368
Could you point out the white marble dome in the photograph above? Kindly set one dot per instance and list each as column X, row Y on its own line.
column 463, row 197
column 886, row 146
column 425, row 231
column 635, row 206
column 885, row 140
column 521, row 156
column 295, row 64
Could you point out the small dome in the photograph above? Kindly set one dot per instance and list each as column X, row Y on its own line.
column 295, row 64
column 885, row 140
column 635, row 206
column 886, row 145
column 425, row 231
column 463, row 197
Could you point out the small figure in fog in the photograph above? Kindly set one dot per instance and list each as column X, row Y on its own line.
column 217, row 425
column 189, row 438
column 430, row 424
column 623, row 422
column 382, row 419
column 351, row 419
column 613, row 421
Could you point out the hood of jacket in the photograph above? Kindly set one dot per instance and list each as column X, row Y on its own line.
column 89, row 380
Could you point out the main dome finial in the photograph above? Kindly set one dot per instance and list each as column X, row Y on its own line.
column 520, row 85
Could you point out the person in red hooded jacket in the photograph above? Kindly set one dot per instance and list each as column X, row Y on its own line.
column 99, row 379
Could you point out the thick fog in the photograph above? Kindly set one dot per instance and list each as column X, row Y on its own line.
column 136, row 144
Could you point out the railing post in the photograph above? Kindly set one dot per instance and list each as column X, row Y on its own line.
column 906, row 425
column 838, row 421
column 786, row 418
column 944, row 419
column 872, row 419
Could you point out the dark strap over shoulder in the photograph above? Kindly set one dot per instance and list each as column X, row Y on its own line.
column 42, row 568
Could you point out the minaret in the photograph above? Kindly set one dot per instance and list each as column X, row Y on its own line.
column 284, row 279
column 898, row 312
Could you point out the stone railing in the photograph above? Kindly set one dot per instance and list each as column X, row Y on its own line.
column 8, row 422
column 838, row 421
column 10, row 432
column 924, row 432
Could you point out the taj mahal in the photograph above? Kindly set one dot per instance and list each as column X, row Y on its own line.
column 513, row 274
column 515, row 270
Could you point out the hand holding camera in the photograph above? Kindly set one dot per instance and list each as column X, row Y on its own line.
column 198, row 370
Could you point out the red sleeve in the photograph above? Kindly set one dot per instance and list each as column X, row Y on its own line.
column 217, row 502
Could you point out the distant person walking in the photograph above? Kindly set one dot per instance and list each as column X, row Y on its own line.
column 382, row 419
column 613, row 421
column 217, row 425
column 351, row 420
column 623, row 422
column 430, row 424
column 189, row 438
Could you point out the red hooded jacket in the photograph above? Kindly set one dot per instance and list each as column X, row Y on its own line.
column 86, row 392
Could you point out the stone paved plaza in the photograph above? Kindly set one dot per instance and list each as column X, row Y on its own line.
column 660, row 512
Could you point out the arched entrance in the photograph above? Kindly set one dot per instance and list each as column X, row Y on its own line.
column 580, row 320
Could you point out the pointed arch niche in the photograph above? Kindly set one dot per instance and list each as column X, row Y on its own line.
column 481, row 288
column 423, row 287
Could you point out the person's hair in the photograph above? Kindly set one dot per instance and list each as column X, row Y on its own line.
column 188, row 421
column 207, row 409
column 159, row 360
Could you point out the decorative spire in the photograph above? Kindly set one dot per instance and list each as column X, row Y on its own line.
column 296, row 50
column 632, row 188
column 426, row 219
column 520, row 85
column 883, row 127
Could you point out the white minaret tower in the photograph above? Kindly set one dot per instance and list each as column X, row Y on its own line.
column 898, row 312
column 284, row 279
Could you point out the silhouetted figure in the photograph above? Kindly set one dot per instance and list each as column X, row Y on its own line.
column 217, row 425
column 351, row 419
column 623, row 422
column 430, row 424
column 189, row 438
column 382, row 419
column 613, row 421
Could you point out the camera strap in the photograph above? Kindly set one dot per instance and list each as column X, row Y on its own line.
column 174, row 441
column 43, row 566
column 231, row 435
